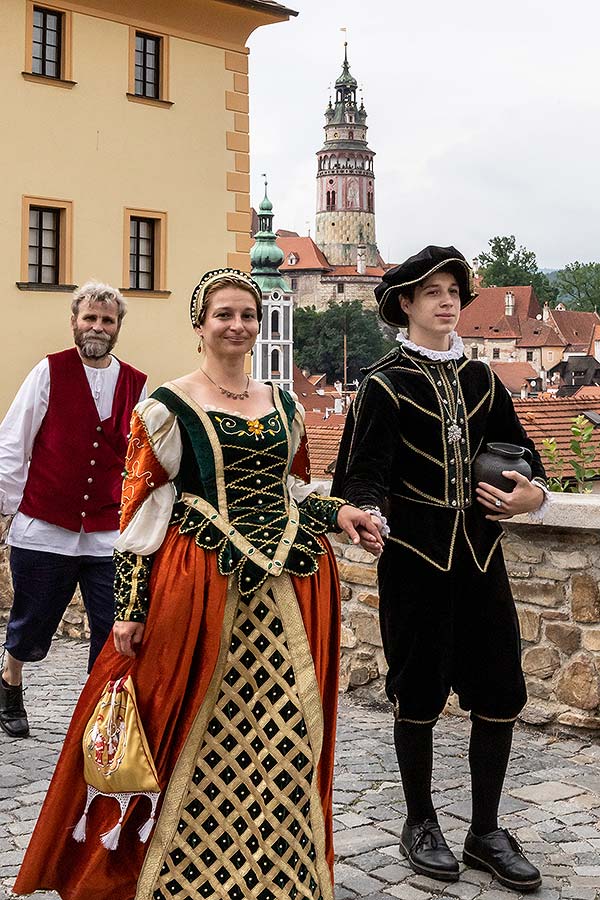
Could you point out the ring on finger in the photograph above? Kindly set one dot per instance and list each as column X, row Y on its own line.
column 498, row 502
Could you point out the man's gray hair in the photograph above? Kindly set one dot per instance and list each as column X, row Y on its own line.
column 97, row 292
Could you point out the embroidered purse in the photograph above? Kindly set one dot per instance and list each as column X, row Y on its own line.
column 116, row 759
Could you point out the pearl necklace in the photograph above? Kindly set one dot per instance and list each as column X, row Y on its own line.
column 230, row 394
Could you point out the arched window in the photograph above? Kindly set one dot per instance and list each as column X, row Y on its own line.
column 350, row 135
column 333, row 199
column 275, row 370
column 275, row 323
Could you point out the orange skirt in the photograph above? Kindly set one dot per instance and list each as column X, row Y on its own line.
column 172, row 674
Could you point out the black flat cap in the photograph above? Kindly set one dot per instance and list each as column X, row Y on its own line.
column 417, row 268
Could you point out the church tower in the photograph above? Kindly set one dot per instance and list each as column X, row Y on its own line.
column 273, row 351
column 345, row 223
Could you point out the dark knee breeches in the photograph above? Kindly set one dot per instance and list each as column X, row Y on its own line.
column 445, row 631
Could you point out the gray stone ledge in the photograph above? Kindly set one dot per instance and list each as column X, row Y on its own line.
column 576, row 511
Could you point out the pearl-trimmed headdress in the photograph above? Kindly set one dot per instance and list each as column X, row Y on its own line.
column 198, row 302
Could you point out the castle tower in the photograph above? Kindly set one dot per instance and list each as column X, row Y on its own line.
column 273, row 351
column 346, row 180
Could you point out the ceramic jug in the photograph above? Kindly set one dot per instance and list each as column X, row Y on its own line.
column 498, row 458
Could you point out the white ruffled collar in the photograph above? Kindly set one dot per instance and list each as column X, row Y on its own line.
column 457, row 348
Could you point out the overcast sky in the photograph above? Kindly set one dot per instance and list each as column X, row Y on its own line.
column 484, row 116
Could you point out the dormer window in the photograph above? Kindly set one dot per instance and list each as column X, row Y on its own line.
column 292, row 259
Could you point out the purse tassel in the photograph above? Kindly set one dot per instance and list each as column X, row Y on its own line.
column 146, row 828
column 79, row 832
column 110, row 839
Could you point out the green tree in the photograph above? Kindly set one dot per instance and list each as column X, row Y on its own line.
column 579, row 285
column 319, row 339
column 506, row 265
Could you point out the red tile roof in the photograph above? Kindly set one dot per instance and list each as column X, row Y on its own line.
column 538, row 334
column 577, row 328
column 487, row 312
column 323, row 444
column 514, row 374
column 587, row 392
column 309, row 255
column 552, row 419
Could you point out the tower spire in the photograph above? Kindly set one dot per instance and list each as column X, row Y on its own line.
column 345, row 178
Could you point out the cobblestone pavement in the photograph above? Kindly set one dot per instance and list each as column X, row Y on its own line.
column 552, row 801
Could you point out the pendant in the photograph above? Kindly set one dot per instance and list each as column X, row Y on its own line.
column 454, row 433
column 233, row 396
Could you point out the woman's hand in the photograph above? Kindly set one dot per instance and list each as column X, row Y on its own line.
column 361, row 527
column 127, row 637
column 525, row 497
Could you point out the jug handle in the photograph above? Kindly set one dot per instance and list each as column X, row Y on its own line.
column 528, row 454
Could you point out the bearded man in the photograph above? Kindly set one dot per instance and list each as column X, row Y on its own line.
column 62, row 452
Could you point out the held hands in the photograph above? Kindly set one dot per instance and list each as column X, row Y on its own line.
column 525, row 497
column 128, row 637
column 361, row 527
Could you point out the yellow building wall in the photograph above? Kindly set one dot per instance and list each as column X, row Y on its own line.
column 94, row 147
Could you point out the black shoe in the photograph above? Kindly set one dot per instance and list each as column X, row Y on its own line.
column 13, row 717
column 427, row 851
column 500, row 853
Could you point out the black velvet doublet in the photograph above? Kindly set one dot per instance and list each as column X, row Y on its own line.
column 396, row 453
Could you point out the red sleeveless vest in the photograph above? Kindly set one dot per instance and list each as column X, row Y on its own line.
column 76, row 468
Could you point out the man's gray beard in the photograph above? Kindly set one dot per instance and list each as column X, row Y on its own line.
column 94, row 347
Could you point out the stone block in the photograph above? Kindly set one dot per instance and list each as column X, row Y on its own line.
column 579, row 720
column 566, row 637
column 359, row 676
column 536, row 714
column 518, row 550
column 345, row 592
column 555, row 615
column 366, row 628
column 551, row 573
column 347, row 638
column 356, row 573
column 568, row 559
column 369, row 599
column 546, row 792
column 357, row 554
column 518, row 570
column 529, row 620
column 73, row 616
column 538, row 592
column 585, row 598
column 541, row 661
column 541, row 690
column 590, row 638
column 344, row 682
column 579, row 683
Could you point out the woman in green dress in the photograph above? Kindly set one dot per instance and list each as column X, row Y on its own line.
column 227, row 619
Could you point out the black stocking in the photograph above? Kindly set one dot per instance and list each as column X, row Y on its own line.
column 414, row 749
column 489, row 750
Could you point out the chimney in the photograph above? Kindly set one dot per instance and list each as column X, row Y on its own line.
column 544, row 379
column 546, row 312
column 338, row 405
column 361, row 259
column 509, row 304
column 524, row 390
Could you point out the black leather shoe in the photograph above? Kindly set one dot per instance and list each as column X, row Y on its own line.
column 500, row 853
column 427, row 852
column 13, row 717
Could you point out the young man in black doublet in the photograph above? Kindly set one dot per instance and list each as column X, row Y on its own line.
column 448, row 619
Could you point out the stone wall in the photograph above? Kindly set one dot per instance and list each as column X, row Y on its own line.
column 555, row 575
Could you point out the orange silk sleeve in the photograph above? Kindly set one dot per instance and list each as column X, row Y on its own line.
column 301, row 462
column 143, row 472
